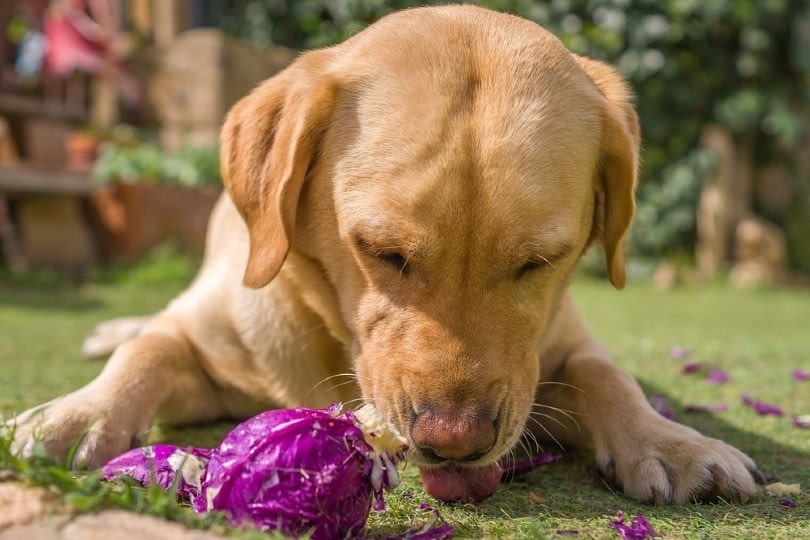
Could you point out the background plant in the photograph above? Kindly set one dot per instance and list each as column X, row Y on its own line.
column 146, row 162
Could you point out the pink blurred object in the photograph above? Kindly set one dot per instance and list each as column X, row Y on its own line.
column 75, row 41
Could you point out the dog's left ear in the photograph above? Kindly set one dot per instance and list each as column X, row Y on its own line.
column 619, row 159
column 269, row 141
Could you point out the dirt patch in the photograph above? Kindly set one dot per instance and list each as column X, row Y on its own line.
column 20, row 504
column 35, row 514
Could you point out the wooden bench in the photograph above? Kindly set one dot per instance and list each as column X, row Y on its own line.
column 52, row 226
column 22, row 179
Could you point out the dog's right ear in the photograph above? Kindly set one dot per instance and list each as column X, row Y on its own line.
column 619, row 160
column 268, row 142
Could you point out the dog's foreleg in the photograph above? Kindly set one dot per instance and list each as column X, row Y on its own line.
column 651, row 458
column 150, row 374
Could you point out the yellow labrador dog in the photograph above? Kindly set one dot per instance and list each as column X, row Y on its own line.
column 403, row 214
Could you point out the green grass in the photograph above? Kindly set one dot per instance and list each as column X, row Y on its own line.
column 757, row 336
column 44, row 319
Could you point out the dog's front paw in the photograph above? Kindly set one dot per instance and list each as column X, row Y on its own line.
column 666, row 462
column 77, row 426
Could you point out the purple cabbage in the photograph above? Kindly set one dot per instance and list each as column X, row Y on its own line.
column 300, row 471
column 638, row 529
column 661, row 406
column 296, row 471
column 693, row 367
column 801, row 374
column 718, row 376
column 678, row 353
column 161, row 463
column 431, row 530
column 706, row 408
column 802, row 421
column 523, row 466
column 760, row 407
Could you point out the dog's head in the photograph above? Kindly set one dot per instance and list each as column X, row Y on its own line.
column 437, row 177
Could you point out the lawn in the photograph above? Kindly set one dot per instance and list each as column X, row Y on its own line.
column 758, row 337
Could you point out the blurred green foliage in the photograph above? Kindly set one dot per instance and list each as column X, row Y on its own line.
column 743, row 64
column 147, row 162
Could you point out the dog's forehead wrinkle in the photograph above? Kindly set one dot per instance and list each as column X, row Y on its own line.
column 495, row 88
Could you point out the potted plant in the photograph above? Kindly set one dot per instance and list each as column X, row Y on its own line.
column 152, row 196
column 81, row 148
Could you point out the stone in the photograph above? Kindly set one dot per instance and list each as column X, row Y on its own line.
column 20, row 504
column 123, row 525
column 760, row 254
column 35, row 513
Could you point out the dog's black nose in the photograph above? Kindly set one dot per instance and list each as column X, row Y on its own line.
column 458, row 435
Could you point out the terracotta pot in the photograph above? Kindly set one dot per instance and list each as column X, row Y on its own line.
column 135, row 217
column 81, row 149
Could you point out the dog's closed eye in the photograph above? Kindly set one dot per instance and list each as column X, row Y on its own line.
column 393, row 258
column 529, row 267
column 397, row 260
column 535, row 261
column 538, row 262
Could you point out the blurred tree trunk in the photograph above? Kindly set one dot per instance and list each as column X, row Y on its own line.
column 169, row 18
column 140, row 13
column 104, row 96
column 726, row 199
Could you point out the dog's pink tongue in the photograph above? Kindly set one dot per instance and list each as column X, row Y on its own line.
column 461, row 484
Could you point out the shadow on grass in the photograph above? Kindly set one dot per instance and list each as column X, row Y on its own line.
column 43, row 289
column 207, row 435
column 573, row 489
column 56, row 297
column 165, row 268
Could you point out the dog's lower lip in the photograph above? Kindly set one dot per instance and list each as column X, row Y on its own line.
column 426, row 460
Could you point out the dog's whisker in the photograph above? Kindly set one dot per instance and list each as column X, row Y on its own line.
column 335, row 386
column 544, row 428
column 524, row 445
column 308, row 331
column 528, row 434
column 559, row 383
column 327, row 379
column 511, row 457
column 348, row 374
column 550, row 417
column 545, row 260
column 565, row 412
column 350, row 403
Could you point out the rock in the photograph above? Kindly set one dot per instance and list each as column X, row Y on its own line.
column 760, row 254
column 35, row 513
column 665, row 277
column 20, row 504
column 123, row 525
column 43, row 528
